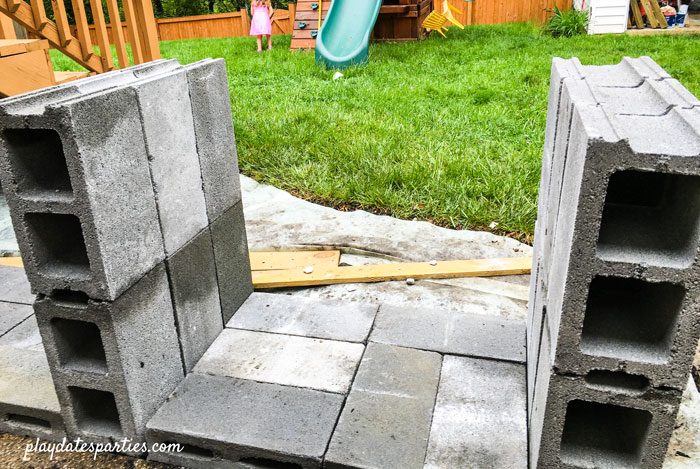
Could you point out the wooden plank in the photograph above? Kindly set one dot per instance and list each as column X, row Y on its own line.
column 653, row 22
column 98, row 17
column 11, row 261
column 61, row 19
column 284, row 260
column 24, row 16
column 25, row 72
column 64, row 77
column 390, row 272
column 14, row 5
column 83, row 30
column 7, row 28
column 147, row 29
column 20, row 46
column 115, row 23
column 132, row 31
column 40, row 19
column 658, row 14
column 636, row 14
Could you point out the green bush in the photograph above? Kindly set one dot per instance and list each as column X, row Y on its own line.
column 567, row 23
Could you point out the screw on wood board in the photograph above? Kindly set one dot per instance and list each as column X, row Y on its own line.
column 309, row 269
column 433, row 263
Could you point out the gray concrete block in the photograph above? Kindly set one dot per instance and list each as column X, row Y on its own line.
column 479, row 418
column 195, row 294
column 24, row 336
column 307, row 317
column 83, row 222
column 166, row 116
column 326, row 365
column 11, row 315
column 229, row 419
column 386, row 419
column 14, row 286
column 113, row 363
column 28, row 402
column 450, row 332
column 216, row 142
column 232, row 260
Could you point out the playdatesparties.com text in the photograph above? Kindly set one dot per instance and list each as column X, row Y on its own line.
column 79, row 446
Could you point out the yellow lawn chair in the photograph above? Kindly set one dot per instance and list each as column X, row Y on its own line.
column 436, row 21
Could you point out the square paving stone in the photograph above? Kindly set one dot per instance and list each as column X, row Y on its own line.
column 11, row 314
column 230, row 422
column 294, row 315
column 14, row 286
column 24, row 336
column 479, row 419
column 326, row 365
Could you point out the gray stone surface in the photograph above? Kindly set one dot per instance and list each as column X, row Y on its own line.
column 326, row 365
column 70, row 205
column 195, row 293
column 216, row 142
column 449, row 332
column 113, row 363
column 386, row 419
column 24, row 336
column 28, row 403
column 8, row 242
column 166, row 116
column 292, row 315
column 229, row 419
column 479, row 419
column 11, row 315
column 14, row 286
column 232, row 260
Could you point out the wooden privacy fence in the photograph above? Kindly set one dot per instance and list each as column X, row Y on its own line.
column 238, row 23
column 137, row 28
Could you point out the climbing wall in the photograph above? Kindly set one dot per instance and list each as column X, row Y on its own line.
column 306, row 22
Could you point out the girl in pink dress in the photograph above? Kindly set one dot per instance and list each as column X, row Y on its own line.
column 261, row 25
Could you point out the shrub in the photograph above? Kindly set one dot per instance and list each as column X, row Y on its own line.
column 567, row 23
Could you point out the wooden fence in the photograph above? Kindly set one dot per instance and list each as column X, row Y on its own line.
column 238, row 23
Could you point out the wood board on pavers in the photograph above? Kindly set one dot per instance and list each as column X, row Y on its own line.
column 391, row 391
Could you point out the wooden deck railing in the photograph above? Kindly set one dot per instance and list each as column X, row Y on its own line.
column 137, row 29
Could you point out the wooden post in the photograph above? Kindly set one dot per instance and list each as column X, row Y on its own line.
column 7, row 27
column 115, row 22
column 148, row 30
column 59, row 13
column 132, row 31
column 246, row 21
column 40, row 19
column 83, row 29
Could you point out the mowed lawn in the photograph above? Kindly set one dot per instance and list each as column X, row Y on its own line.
column 444, row 130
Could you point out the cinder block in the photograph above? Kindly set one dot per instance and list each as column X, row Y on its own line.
column 83, row 222
column 11, row 315
column 283, row 425
column 28, row 403
column 294, row 315
column 326, row 365
column 450, row 332
column 386, row 419
column 166, row 116
column 216, row 142
column 232, row 260
column 14, row 286
column 479, row 418
column 195, row 294
column 113, row 363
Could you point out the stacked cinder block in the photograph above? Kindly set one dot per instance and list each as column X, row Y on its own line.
column 124, row 194
column 615, row 295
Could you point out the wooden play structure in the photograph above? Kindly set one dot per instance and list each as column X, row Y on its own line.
column 25, row 64
column 399, row 20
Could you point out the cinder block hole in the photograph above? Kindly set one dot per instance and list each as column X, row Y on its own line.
column 617, row 381
column 27, row 421
column 193, row 451
column 264, row 463
column 58, row 245
column 70, row 296
column 79, row 345
column 603, row 435
column 651, row 217
column 95, row 412
column 38, row 162
column 631, row 319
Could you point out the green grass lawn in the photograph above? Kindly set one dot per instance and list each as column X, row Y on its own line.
column 445, row 130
